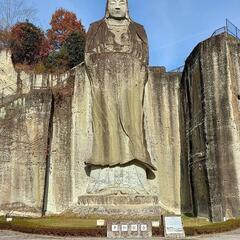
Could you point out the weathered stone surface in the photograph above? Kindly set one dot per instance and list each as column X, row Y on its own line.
column 117, row 200
column 72, row 138
column 81, row 133
column 118, row 206
column 161, row 109
column 23, row 145
column 210, row 90
column 60, row 185
column 117, row 212
column 116, row 57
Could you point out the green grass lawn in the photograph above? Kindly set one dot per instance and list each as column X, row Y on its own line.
column 53, row 222
column 60, row 226
column 2, row 219
column 197, row 226
column 192, row 226
column 195, row 222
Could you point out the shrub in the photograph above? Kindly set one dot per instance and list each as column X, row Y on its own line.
column 57, row 61
column 74, row 46
column 4, row 39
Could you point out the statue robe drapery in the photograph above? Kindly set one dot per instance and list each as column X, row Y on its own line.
column 116, row 60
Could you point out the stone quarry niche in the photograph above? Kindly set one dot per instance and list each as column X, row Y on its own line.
column 117, row 138
column 109, row 140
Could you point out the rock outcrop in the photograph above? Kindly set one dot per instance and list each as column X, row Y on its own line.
column 210, row 90
column 191, row 130
column 24, row 129
column 162, row 134
column 61, row 117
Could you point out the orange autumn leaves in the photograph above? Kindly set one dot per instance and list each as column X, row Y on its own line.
column 63, row 23
column 59, row 48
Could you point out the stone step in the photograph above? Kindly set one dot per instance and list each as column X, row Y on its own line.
column 117, row 212
column 117, row 200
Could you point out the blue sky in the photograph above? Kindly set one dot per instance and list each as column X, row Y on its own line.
column 174, row 27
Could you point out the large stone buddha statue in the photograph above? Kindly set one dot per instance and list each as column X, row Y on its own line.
column 116, row 60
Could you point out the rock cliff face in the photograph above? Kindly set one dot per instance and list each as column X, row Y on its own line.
column 61, row 119
column 162, row 134
column 210, row 90
column 23, row 144
column 191, row 128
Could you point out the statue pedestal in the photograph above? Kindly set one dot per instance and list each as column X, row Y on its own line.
column 118, row 206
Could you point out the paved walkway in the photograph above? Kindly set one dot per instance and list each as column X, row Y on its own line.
column 9, row 235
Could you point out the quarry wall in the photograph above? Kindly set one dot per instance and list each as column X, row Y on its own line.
column 60, row 112
column 163, row 135
column 191, row 123
column 211, row 140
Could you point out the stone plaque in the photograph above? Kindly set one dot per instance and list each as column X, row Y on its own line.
column 100, row 222
column 129, row 229
column 134, row 227
column 155, row 224
column 173, row 227
column 124, row 228
column 144, row 228
column 115, row 228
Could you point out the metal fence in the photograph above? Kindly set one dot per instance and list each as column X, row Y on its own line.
column 178, row 70
column 229, row 28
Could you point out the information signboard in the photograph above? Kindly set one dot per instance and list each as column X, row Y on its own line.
column 173, row 227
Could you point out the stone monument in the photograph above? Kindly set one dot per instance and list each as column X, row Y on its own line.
column 110, row 126
column 116, row 59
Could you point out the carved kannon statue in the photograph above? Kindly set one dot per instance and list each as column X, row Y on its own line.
column 116, row 60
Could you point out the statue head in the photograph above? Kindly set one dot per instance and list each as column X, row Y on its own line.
column 117, row 9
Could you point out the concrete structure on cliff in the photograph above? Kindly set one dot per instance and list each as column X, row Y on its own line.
column 115, row 136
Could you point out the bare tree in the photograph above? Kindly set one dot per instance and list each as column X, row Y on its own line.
column 12, row 11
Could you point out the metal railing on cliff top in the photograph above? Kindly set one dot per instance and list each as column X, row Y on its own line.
column 229, row 28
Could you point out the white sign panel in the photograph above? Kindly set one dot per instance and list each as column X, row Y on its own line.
column 124, row 228
column 115, row 228
column 144, row 228
column 134, row 227
column 155, row 224
column 173, row 226
column 100, row 223
column 9, row 219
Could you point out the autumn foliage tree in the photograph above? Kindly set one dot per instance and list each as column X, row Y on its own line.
column 63, row 23
column 11, row 12
column 60, row 49
column 26, row 43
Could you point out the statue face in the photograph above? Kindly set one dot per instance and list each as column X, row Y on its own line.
column 117, row 8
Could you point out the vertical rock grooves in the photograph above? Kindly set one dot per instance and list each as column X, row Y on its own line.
column 190, row 152
column 212, row 139
column 48, row 158
column 205, row 138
